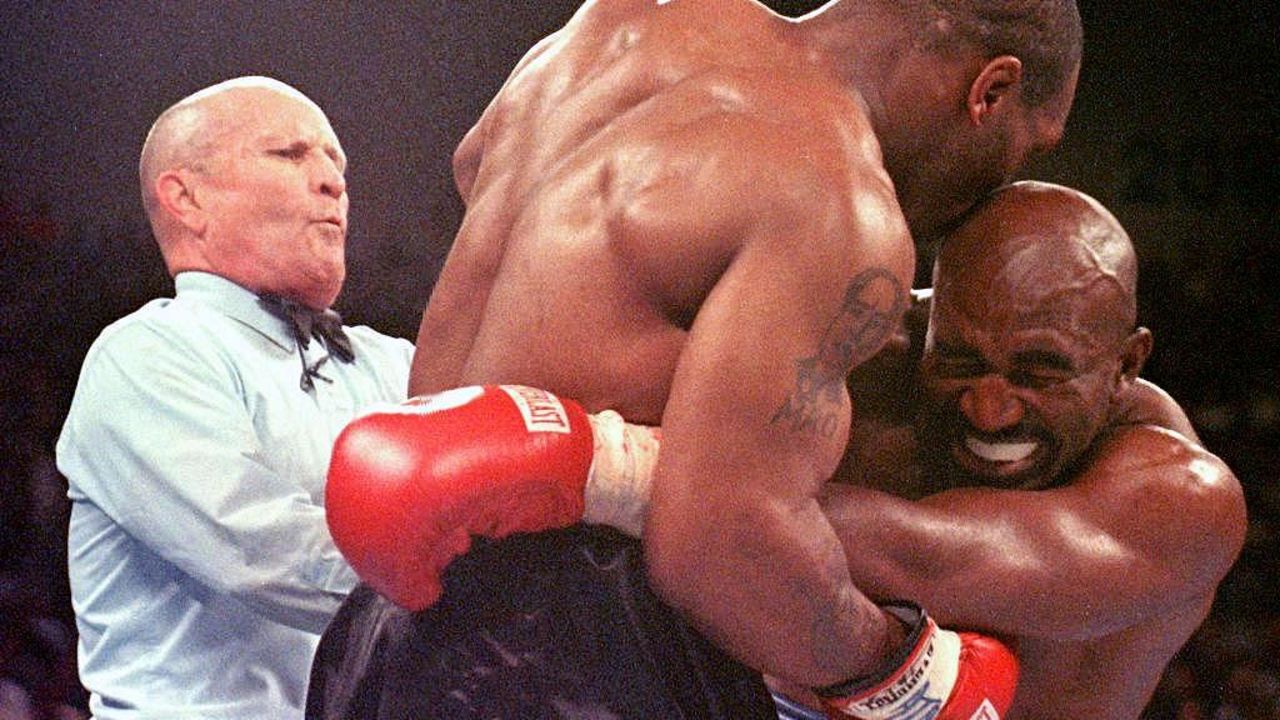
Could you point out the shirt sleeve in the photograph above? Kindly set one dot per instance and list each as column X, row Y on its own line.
column 160, row 439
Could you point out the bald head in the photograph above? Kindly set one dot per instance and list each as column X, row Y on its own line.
column 1031, row 346
column 246, row 180
column 190, row 133
column 1032, row 244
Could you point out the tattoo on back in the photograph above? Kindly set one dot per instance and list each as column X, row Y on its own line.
column 873, row 304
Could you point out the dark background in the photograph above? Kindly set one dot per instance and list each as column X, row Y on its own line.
column 1176, row 129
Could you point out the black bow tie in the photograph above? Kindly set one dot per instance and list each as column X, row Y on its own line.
column 305, row 324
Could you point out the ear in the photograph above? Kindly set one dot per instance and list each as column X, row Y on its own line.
column 997, row 82
column 1134, row 353
column 176, row 194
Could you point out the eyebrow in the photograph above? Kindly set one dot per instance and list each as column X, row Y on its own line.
column 1044, row 358
column 1039, row 358
column 964, row 351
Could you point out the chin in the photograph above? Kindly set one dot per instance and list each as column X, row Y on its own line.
column 325, row 290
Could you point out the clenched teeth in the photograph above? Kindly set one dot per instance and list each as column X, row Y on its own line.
column 1000, row 452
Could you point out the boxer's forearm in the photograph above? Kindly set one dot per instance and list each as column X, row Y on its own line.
column 1051, row 564
column 770, row 589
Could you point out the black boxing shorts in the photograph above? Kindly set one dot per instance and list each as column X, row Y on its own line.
column 552, row 625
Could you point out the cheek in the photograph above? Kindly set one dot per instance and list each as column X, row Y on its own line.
column 271, row 194
column 1077, row 417
column 261, row 207
column 938, row 412
column 965, row 174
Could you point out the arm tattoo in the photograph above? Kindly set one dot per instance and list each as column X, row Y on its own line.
column 873, row 304
column 835, row 629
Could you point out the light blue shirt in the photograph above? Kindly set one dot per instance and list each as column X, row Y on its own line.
column 202, row 571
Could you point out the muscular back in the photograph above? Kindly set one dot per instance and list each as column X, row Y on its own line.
column 609, row 184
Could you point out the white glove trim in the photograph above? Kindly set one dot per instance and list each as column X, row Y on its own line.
column 919, row 690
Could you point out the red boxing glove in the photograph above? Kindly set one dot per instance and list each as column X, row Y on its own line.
column 409, row 486
column 942, row 675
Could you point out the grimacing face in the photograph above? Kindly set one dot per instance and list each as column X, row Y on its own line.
column 1017, row 386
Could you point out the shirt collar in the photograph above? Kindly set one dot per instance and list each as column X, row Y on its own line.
column 235, row 302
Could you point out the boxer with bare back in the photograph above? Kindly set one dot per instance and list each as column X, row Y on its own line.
column 699, row 213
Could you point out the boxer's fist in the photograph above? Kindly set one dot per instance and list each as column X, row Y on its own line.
column 943, row 676
column 409, row 486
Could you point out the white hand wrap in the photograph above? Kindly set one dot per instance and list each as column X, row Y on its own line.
column 617, row 492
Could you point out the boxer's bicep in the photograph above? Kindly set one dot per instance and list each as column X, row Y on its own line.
column 1148, row 526
column 756, row 421
column 807, row 293
column 1020, row 563
column 762, row 378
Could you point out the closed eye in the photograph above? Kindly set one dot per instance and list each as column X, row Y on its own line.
column 296, row 151
column 952, row 361
column 1040, row 369
column 1038, row 378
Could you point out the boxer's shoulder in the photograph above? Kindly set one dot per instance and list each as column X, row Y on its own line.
column 618, row 57
column 1182, row 503
column 1160, row 471
column 1148, row 449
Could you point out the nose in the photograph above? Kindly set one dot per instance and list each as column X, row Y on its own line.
column 990, row 404
column 328, row 177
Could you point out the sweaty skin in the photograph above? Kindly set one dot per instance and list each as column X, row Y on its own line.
column 646, row 231
column 1099, row 581
column 1101, row 550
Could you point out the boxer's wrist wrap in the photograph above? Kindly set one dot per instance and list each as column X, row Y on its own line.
column 618, row 483
column 915, row 683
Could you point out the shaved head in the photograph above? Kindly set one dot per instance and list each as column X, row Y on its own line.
column 190, row 133
column 1038, row 240
column 1032, row 338
column 246, row 179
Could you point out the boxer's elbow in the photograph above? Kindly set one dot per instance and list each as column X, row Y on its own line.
column 672, row 559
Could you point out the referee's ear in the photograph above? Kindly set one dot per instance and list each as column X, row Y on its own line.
column 179, row 199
